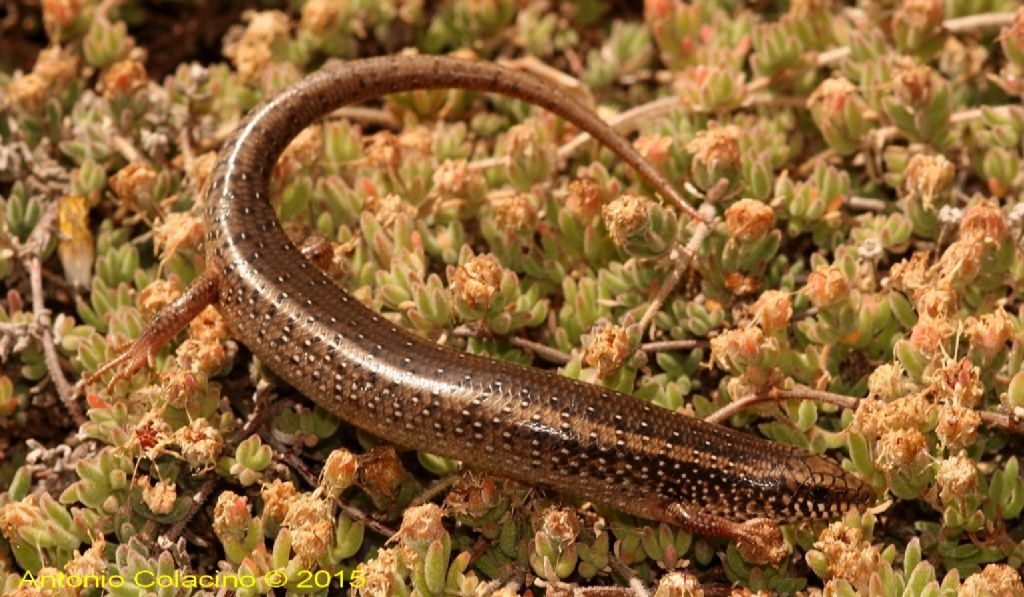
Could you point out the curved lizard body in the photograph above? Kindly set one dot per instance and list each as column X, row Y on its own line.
column 520, row 422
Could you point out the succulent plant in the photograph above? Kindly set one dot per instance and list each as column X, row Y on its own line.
column 860, row 167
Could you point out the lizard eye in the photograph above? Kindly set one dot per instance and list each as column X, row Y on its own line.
column 818, row 494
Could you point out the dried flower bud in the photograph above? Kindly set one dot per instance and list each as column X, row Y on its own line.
column 134, row 185
column 838, row 112
column 716, row 156
column 927, row 178
column 200, row 444
column 515, row 212
column 1012, row 40
column 772, row 310
column 679, row 584
column 385, row 150
column 455, row 178
column 473, row 496
column 911, row 275
column 901, row 449
column 339, row 472
column 231, row 516
column 123, row 78
column 160, row 497
column 749, row 220
column 990, row 333
column 913, row 83
column 956, row 478
column 478, row 281
column 957, row 427
column 826, row 286
column 278, row 497
column 585, row 197
column 983, row 222
column 741, row 284
column 654, row 147
column 641, row 227
column 917, row 26
column 209, row 326
column 60, row 16
column 626, row 216
column 312, row 527
column 380, row 472
column 421, row 526
column 886, row 382
column 734, row 350
column 319, row 15
column 994, row 579
column 936, row 303
column 874, row 417
column 959, row 383
column 606, row 348
column 180, row 386
column 388, row 209
column 561, row 525
column 250, row 49
column 382, row 573
column 930, row 336
column 91, row 563
column 849, row 556
column 176, row 231
column 16, row 517
column 960, row 263
column 54, row 69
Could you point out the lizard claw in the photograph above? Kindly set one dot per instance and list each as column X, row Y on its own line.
column 130, row 358
column 164, row 326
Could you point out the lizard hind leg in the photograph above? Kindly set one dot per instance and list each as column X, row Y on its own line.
column 166, row 324
column 759, row 539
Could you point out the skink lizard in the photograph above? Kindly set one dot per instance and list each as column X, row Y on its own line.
column 520, row 422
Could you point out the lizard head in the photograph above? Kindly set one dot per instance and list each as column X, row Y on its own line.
column 820, row 488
